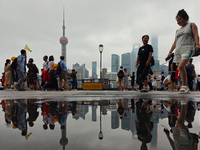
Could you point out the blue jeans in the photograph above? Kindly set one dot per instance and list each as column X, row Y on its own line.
column 74, row 84
column 21, row 79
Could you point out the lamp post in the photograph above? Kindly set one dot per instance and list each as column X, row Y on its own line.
column 100, row 50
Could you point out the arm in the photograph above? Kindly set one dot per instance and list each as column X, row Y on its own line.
column 196, row 35
column 149, row 59
column 138, row 61
column 20, row 68
column 172, row 48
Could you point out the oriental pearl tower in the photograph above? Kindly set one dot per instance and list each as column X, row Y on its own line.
column 63, row 40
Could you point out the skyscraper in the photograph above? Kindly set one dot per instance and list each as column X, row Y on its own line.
column 94, row 69
column 154, row 43
column 63, row 39
column 133, row 56
column 126, row 62
column 114, row 63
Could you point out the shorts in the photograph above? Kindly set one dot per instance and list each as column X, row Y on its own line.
column 121, row 82
column 185, row 55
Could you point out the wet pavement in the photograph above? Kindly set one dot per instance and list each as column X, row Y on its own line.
column 96, row 119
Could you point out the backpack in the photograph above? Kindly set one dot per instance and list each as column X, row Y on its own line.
column 14, row 64
column 152, row 62
column 58, row 70
column 120, row 74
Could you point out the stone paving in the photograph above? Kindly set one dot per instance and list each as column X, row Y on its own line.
column 96, row 95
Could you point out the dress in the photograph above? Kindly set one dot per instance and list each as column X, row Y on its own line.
column 32, row 73
column 125, row 80
column 8, row 75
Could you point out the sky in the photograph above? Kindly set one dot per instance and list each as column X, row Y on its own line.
column 116, row 24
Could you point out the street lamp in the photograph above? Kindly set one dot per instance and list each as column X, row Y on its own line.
column 100, row 50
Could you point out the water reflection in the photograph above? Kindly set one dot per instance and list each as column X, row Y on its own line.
column 153, row 124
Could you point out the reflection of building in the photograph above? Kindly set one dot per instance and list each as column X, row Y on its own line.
column 82, row 110
column 64, row 139
column 126, row 62
column 94, row 70
column 94, row 113
column 114, row 63
column 114, row 120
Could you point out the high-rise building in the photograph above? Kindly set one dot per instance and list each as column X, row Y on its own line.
column 133, row 56
column 154, row 44
column 126, row 62
column 82, row 73
column 94, row 70
column 114, row 63
column 63, row 40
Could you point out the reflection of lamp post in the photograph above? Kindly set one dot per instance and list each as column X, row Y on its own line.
column 100, row 133
column 100, row 50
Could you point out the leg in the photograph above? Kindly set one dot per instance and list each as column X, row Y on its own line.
column 183, row 72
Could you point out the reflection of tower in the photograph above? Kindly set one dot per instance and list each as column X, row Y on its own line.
column 64, row 139
column 63, row 40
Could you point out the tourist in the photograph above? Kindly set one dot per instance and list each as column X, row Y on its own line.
column 74, row 79
column 120, row 75
column 191, row 74
column 143, row 63
column 154, row 83
column 126, row 75
column 62, row 74
column 52, row 83
column 21, row 69
column 8, row 75
column 186, row 39
column 32, row 74
column 133, row 81
column 45, row 64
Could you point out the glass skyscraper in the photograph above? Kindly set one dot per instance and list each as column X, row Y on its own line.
column 154, row 43
column 114, row 63
column 94, row 69
column 126, row 61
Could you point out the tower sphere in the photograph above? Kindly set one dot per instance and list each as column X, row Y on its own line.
column 63, row 40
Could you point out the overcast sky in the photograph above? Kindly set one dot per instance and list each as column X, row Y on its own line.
column 116, row 24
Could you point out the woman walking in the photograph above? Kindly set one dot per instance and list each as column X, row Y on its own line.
column 32, row 74
column 186, row 39
column 8, row 75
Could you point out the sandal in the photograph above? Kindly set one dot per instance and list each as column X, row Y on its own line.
column 184, row 90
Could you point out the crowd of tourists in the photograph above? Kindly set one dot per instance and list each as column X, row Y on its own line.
column 53, row 77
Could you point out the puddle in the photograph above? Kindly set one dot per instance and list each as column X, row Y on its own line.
column 99, row 124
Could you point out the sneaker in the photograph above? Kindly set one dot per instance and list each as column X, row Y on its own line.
column 144, row 89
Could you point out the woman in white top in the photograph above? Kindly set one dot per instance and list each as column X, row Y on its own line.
column 186, row 39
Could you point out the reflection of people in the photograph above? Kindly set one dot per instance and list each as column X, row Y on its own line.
column 143, row 63
column 21, row 117
column 143, row 125
column 186, row 37
column 32, row 112
column 183, row 139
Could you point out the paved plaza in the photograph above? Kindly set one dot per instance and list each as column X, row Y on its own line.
column 97, row 95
